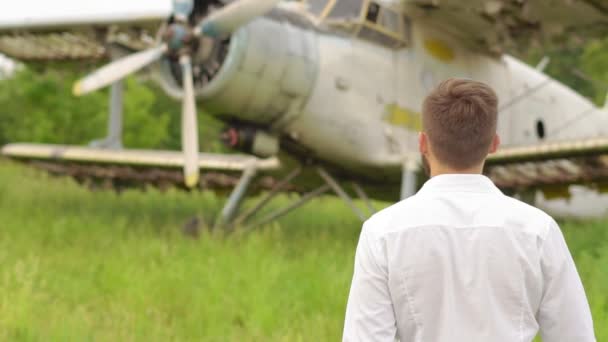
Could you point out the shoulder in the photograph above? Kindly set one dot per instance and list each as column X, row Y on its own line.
column 495, row 210
column 525, row 209
column 398, row 216
column 528, row 218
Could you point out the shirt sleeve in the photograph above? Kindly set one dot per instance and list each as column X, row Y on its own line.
column 564, row 314
column 369, row 312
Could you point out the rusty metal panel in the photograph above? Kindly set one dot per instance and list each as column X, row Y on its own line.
column 588, row 170
column 51, row 46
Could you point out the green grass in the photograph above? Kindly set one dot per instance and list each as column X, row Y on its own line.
column 77, row 265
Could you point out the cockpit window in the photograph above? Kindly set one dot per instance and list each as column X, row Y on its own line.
column 366, row 19
column 346, row 9
column 316, row 7
column 372, row 12
column 391, row 20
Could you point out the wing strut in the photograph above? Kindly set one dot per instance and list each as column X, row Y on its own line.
column 340, row 192
column 227, row 220
column 236, row 197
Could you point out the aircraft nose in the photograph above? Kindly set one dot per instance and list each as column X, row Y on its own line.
column 267, row 74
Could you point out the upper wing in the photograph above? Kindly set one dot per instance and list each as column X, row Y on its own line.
column 41, row 14
column 38, row 30
column 494, row 25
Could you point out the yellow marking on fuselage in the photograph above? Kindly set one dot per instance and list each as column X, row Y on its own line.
column 439, row 50
column 403, row 117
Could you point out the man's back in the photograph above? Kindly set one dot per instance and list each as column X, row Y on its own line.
column 462, row 262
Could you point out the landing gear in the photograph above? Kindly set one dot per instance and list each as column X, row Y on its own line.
column 228, row 218
column 113, row 140
column 340, row 192
column 236, row 197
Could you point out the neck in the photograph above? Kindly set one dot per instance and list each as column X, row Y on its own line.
column 439, row 169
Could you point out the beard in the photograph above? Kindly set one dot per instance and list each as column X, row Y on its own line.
column 426, row 166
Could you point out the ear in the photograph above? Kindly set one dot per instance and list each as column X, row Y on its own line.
column 495, row 144
column 423, row 143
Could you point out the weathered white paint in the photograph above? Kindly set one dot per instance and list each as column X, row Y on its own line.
column 28, row 14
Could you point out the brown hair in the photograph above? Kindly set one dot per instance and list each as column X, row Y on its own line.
column 459, row 117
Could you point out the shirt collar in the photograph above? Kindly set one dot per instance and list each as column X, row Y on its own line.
column 459, row 183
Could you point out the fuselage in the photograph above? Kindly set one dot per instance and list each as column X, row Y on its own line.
column 356, row 103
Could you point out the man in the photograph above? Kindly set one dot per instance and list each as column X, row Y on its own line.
column 460, row 261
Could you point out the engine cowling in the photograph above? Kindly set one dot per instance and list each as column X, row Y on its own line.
column 263, row 74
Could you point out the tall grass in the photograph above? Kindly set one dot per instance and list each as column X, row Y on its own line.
column 82, row 266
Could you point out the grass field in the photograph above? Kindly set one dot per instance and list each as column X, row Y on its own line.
column 97, row 266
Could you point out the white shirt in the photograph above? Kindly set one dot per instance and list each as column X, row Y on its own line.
column 461, row 262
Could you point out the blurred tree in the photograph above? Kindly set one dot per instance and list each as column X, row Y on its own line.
column 563, row 64
column 37, row 105
column 145, row 125
column 582, row 67
column 594, row 63
column 209, row 127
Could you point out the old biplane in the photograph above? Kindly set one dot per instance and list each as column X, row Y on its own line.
column 320, row 95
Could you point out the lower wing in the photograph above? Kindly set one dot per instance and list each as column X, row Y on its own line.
column 550, row 165
column 131, row 167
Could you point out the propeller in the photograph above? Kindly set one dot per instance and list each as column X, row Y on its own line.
column 232, row 16
column 118, row 70
column 189, row 124
column 220, row 23
column 178, row 40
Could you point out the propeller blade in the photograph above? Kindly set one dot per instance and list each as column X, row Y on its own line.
column 118, row 69
column 232, row 16
column 189, row 125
